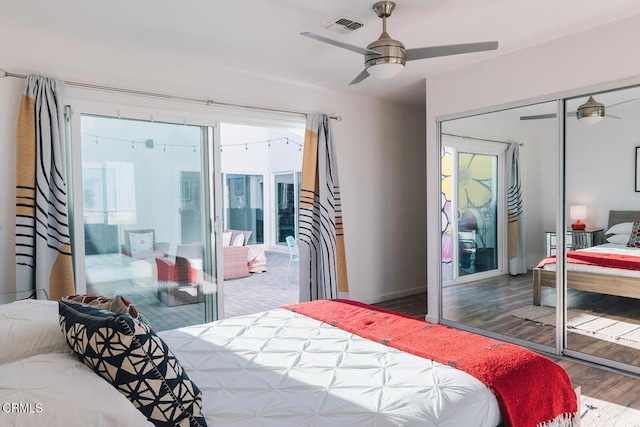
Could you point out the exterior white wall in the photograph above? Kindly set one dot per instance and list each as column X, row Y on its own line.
column 245, row 150
column 597, row 59
column 153, row 186
column 380, row 148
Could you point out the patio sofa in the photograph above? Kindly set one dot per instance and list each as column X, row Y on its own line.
column 235, row 252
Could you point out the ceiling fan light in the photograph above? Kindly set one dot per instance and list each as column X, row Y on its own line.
column 590, row 120
column 385, row 70
column 591, row 111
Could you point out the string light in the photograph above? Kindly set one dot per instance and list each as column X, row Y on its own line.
column 287, row 140
column 134, row 143
column 246, row 145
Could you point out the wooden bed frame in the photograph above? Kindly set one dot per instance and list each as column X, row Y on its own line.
column 591, row 282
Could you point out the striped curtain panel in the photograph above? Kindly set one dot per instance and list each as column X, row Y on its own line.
column 323, row 268
column 43, row 246
column 515, row 213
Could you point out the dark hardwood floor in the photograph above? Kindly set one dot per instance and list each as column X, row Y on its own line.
column 493, row 304
column 462, row 304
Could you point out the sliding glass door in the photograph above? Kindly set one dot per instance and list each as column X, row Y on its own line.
column 287, row 196
column 472, row 198
column 144, row 197
column 244, row 204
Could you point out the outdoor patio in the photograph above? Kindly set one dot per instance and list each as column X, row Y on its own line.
column 256, row 293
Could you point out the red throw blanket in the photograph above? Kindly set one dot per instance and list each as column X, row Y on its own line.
column 531, row 390
column 626, row 262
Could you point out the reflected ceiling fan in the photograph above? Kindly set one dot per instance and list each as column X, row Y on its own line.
column 386, row 57
column 591, row 111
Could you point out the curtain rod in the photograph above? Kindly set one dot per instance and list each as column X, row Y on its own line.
column 482, row 139
column 4, row 73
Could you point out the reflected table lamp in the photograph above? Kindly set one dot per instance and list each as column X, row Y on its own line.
column 578, row 213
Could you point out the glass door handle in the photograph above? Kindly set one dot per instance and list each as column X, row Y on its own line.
column 217, row 226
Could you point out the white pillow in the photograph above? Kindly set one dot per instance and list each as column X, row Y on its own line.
column 619, row 239
column 61, row 391
column 29, row 327
column 238, row 240
column 226, row 238
column 143, row 242
column 622, row 228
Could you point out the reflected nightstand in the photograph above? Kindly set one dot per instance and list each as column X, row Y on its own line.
column 575, row 239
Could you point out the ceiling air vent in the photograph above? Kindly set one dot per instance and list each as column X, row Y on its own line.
column 342, row 26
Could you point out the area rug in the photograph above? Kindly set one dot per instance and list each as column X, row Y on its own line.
column 599, row 413
column 620, row 330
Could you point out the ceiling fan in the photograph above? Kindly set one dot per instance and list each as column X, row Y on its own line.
column 591, row 111
column 386, row 57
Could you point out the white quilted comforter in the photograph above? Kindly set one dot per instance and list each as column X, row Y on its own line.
column 279, row 368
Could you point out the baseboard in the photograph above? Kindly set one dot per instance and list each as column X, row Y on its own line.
column 431, row 319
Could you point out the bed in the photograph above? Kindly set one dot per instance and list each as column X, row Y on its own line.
column 591, row 277
column 302, row 365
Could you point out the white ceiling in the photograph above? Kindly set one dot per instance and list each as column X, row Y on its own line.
column 262, row 36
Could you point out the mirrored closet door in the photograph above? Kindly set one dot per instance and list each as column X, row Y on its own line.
column 499, row 197
column 602, row 203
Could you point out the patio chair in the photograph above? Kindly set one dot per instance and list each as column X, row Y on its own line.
column 467, row 249
column 180, row 280
column 294, row 255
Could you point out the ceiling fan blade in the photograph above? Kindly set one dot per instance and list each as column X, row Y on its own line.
column 356, row 49
column 622, row 102
column 553, row 116
column 363, row 75
column 539, row 116
column 451, row 49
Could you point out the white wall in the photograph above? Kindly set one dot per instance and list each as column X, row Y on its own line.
column 380, row 148
column 598, row 58
column 600, row 166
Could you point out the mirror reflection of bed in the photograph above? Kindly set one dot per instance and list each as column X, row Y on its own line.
column 603, row 283
column 596, row 274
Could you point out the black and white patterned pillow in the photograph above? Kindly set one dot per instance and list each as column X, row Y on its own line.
column 634, row 239
column 117, row 305
column 129, row 355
